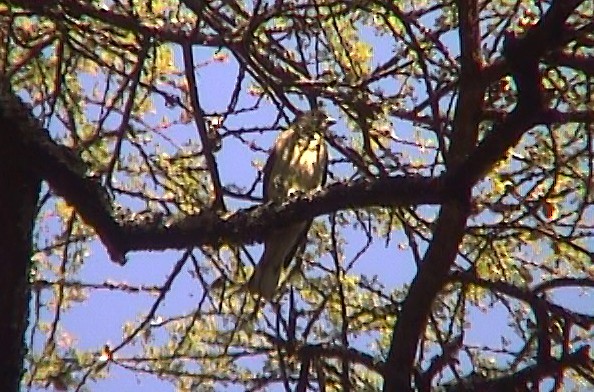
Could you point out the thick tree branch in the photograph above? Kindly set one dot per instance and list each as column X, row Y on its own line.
column 578, row 62
column 523, row 55
column 252, row 224
column 520, row 380
column 531, row 297
column 61, row 168
column 544, row 312
column 66, row 174
column 548, row 117
column 466, row 167
column 55, row 9
column 449, row 229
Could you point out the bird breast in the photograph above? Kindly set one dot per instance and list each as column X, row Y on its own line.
column 304, row 164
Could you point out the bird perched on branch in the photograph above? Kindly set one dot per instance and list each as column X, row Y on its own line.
column 298, row 163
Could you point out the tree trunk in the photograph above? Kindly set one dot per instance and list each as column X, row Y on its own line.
column 19, row 193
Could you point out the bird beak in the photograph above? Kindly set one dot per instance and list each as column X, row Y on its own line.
column 330, row 121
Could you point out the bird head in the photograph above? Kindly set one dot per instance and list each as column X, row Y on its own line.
column 314, row 121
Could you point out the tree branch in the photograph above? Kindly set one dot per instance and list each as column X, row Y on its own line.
column 66, row 174
column 451, row 222
column 519, row 381
column 252, row 224
column 61, row 168
column 523, row 56
column 55, row 9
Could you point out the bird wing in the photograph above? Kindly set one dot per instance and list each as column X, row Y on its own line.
column 267, row 173
column 298, row 245
column 280, row 145
column 324, row 158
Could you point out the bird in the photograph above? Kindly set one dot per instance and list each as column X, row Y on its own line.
column 298, row 163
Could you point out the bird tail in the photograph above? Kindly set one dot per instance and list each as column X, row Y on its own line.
column 279, row 249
